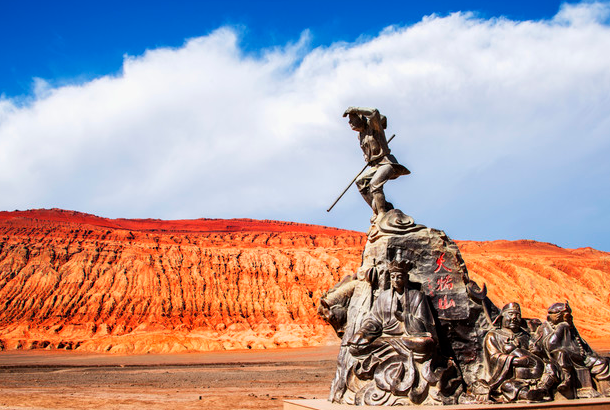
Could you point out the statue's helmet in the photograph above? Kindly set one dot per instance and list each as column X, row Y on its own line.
column 509, row 307
column 560, row 312
column 559, row 307
column 401, row 265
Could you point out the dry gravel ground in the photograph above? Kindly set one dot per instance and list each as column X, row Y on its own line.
column 210, row 381
column 225, row 380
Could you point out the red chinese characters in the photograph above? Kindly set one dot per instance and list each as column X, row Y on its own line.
column 440, row 262
column 445, row 303
column 443, row 283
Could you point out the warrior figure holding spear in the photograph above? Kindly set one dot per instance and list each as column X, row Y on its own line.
column 370, row 125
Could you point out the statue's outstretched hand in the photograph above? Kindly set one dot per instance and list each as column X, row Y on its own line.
column 350, row 110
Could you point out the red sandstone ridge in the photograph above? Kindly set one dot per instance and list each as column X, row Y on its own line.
column 72, row 280
column 203, row 225
column 539, row 274
column 77, row 281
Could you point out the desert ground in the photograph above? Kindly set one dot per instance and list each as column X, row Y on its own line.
column 215, row 380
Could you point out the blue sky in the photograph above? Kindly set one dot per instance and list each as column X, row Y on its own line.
column 233, row 109
column 67, row 41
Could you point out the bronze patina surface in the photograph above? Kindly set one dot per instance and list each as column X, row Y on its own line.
column 416, row 330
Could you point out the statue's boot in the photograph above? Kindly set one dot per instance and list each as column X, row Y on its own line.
column 546, row 383
column 588, row 393
column 566, row 387
column 379, row 203
column 532, row 394
column 380, row 206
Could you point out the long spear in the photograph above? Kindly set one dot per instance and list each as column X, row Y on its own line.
column 353, row 180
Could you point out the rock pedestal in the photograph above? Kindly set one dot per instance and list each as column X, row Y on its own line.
column 417, row 331
column 462, row 315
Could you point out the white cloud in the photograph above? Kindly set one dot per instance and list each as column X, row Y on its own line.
column 504, row 124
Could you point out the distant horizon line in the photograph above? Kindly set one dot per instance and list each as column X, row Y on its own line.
column 5, row 215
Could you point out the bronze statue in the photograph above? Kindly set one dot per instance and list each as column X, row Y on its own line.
column 400, row 313
column 517, row 372
column 396, row 349
column 334, row 304
column 584, row 373
column 370, row 125
column 415, row 329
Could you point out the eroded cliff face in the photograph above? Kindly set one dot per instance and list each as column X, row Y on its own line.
column 74, row 281
column 539, row 274
column 69, row 280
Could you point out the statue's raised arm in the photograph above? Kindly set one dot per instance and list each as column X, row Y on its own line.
column 376, row 122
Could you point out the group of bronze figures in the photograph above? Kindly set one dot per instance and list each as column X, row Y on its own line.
column 416, row 330
column 533, row 361
column 395, row 355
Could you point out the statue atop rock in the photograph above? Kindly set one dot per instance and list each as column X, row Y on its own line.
column 415, row 329
column 370, row 126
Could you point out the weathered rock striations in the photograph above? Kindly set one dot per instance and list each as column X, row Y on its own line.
column 70, row 280
column 536, row 275
column 75, row 281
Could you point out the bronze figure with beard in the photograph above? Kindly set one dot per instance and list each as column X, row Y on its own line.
column 517, row 372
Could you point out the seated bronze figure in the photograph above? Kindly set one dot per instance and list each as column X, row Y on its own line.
column 396, row 347
column 517, row 370
column 584, row 373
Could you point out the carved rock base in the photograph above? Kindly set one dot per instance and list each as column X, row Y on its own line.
column 460, row 308
column 581, row 404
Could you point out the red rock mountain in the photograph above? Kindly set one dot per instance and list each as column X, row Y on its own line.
column 75, row 281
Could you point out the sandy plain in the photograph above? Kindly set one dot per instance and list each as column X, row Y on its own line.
column 211, row 381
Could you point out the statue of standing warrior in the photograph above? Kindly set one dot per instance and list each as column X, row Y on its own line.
column 370, row 125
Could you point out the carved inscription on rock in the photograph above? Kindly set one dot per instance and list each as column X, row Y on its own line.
column 446, row 290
